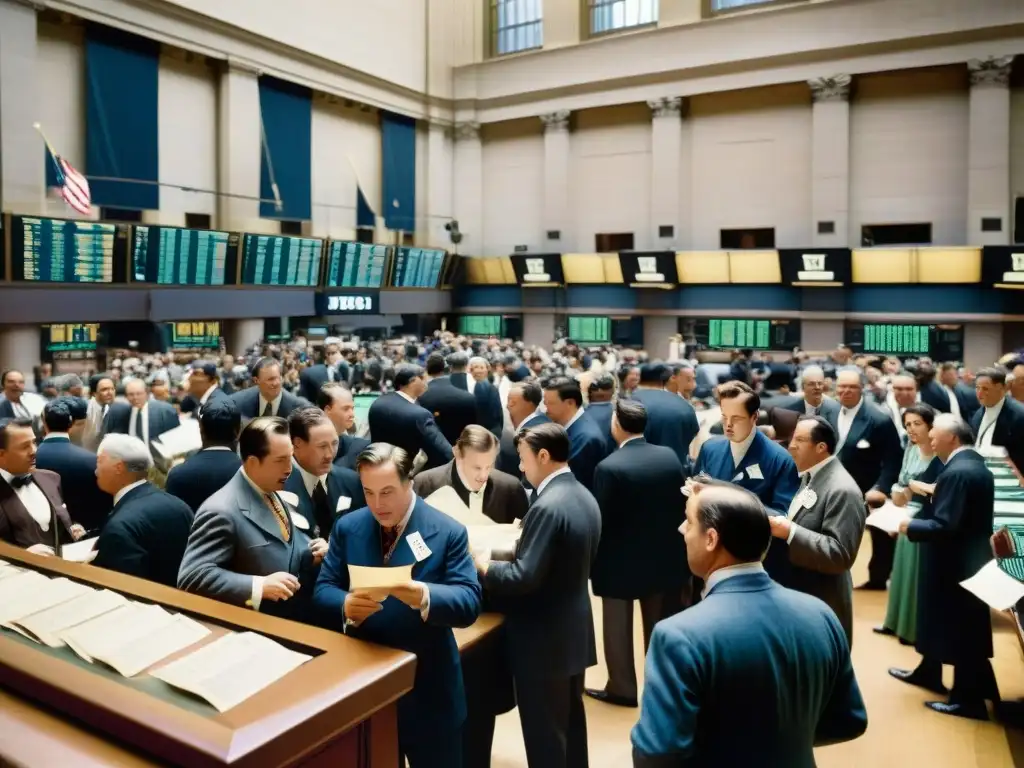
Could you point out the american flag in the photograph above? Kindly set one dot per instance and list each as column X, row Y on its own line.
column 72, row 185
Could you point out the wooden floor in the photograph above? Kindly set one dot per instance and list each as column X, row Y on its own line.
column 901, row 731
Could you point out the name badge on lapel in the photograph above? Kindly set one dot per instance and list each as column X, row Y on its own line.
column 809, row 499
column 863, row 444
column 419, row 548
column 754, row 472
column 738, row 477
column 300, row 522
column 344, row 502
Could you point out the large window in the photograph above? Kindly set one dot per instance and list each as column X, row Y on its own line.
column 724, row 6
column 516, row 25
column 612, row 15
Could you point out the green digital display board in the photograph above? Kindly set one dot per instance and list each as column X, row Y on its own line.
column 892, row 339
column 480, row 325
column 740, row 333
column 585, row 329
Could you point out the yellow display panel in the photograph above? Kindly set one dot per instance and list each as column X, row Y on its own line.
column 697, row 267
column 754, row 267
column 948, row 265
column 883, row 265
column 591, row 268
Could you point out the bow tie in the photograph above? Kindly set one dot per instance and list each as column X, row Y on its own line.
column 20, row 481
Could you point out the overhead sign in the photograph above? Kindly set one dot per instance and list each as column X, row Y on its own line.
column 817, row 267
column 541, row 269
column 1002, row 266
column 348, row 303
column 655, row 269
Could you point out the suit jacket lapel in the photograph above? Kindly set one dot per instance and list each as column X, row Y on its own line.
column 255, row 509
column 403, row 554
column 860, row 423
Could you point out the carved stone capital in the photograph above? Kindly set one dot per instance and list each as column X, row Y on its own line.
column 467, row 131
column 995, row 70
column 556, row 121
column 835, row 88
column 670, row 106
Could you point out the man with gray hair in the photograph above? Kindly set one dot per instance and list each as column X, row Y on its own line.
column 146, row 533
column 953, row 626
column 813, row 402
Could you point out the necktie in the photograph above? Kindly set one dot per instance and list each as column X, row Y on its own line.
column 269, row 410
column 20, row 411
column 279, row 514
column 138, row 424
column 388, row 539
column 20, row 481
column 322, row 509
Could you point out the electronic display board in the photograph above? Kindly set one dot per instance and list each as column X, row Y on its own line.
column 941, row 342
column 355, row 265
column 175, row 256
column 481, row 325
column 71, row 337
column 417, row 267
column 585, row 329
column 195, row 334
column 747, row 333
column 281, row 260
column 66, row 251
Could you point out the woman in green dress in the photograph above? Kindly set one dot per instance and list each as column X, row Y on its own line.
column 901, row 614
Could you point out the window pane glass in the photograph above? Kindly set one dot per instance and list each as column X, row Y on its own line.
column 516, row 25
column 608, row 15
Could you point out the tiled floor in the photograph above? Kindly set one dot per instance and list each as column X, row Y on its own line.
column 901, row 731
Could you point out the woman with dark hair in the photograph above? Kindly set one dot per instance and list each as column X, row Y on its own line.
column 901, row 613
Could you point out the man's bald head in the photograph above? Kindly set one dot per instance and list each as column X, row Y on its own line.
column 335, row 399
column 725, row 525
column 135, row 392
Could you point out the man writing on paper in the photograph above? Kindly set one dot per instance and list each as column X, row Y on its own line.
column 244, row 547
column 398, row 529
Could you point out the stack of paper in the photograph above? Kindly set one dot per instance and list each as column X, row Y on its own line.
column 45, row 626
column 995, row 588
column 447, row 500
column 888, row 517
column 83, row 551
column 6, row 569
column 231, row 669
column 179, row 441
column 375, row 582
column 494, row 542
column 34, row 595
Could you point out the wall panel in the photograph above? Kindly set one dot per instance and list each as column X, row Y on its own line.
column 1016, row 148
column 513, row 183
column 908, row 152
column 61, row 73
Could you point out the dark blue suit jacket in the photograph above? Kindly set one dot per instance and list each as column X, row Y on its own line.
column 311, row 379
column 395, row 420
column 488, row 402
column 1008, row 430
column 349, row 448
column 248, row 403
column 751, row 653
column 601, row 413
column 671, row 421
column 344, row 494
column 872, row 452
column 202, row 475
column 436, row 706
column 587, row 448
column 87, row 504
column 162, row 418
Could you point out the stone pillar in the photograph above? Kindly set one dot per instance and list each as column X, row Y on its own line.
column 439, row 204
column 22, row 171
column 988, row 152
column 468, row 192
column 830, row 163
column 240, row 335
column 239, row 149
column 670, row 175
column 20, row 347
column 538, row 329
column 557, row 211
column 658, row 333
column 983, row 344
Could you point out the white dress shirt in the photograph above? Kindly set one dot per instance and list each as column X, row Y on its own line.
column 275, row 404
column 629, row 440
column 140, row 413
column 470, row 383
column 987, row 427
column 740, row 449
column 21, row 411
column 33, row 499
column 813, row 410
column 476, row 498
column 846, row 417
column 310, row 480
column 530, row 417
column 544, row 483
column 576, row 417
column 794, row 506
column 407, row 397
column 124, row 491
column 961, row 449
column 954, row 403
column 206, row 396
column 728, row 572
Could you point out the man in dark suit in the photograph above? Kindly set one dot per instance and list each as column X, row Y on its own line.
column 524, row 400
column 641, row 555
column 966, row 397
column 750, row 645
column 488, row 401
column 397, row 528
column 953, row 626
column 600, row 392
column 453, row 408
column 333, row 368
column 1000, row 420
column 671, row 420
column 140, row 417
column 102, row 391
column 323, row 490
column 267, row 397
column 546, row 601
column 869, row 448
column 933, row 392
column 12, row 407
column 205, row 473
column 148, row 529
column 814, row 402
column 86, row 503
column 244, row 548
column 397, row 419
column 204, row 385
column 564, row 403
column 336, row 401
column 32, row 511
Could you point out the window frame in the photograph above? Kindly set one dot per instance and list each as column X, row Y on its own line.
column 493, row 30
column 587, row 13
column 708, row 10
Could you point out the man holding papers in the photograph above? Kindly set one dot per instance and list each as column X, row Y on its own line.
column 244, row 547
column 953, row 626
column 400, row 531
column 141, row 417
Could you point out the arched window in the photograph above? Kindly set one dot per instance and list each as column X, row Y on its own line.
column 613, row 15
column 516, row 25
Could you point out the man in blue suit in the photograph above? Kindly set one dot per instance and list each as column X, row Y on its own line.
column 671, row 420
column 323, row 490
column 587, row 446
column 267, row 397
column 749, row 459
column 755, row 674
column 400, row 529
column 206, row 472
column 488, row 401
column 397, row 419
column 600, row 393
column 140, row 417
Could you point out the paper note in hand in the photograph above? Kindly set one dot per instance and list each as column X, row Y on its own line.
column 888, row 517
column 994, row 587
column 447, row 500
column 376, row 582
column 83, row 551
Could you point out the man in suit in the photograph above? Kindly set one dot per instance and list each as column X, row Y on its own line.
column 86, row 503
column 453, row 408
column 750, row 645
column 324, row 491
column 32, row 511
column 564, row 403
column 101, row 386
column 641, row 556
column 751, row 460
column 204, row 385
column 965, row 397
column 399, row 529
column 140, row 417
column 600, row 392
column 869, row 449
column 488, row 402
column 671, row 420
column 953, row 626
column 903, row 393
column 397, row 419
column 1000, row 419
column 244, row 548
column 335, row 399
column 546, row 601
column 933, row 392
column 683, row 381
column 12, row 406
column 146, row 533
column 814, row 402
column 524, row 400
column 825, row 523
column 333, row 368
column 209, row 470
column 267, row 397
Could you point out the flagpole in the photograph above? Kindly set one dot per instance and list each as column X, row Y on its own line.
column 53, row 159
column 46, row 141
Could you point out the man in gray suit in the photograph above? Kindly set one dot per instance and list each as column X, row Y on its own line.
column 825, row 523
column 244, row 547
column 814, row 402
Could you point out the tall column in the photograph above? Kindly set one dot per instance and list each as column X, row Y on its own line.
column 988, row 152
column 557, row 212
column 658, row 333
column 239, row 149
column 670, row 176
column 439, row 205
column 538, row 329
column 830, row 163
column 240, row 335
column 468, row 192
column 20, row 346
column 22, row 156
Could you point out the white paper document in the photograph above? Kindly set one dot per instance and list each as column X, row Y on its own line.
column 994, row 587
column 45, row 626
column 180, row 440
column 1010, row 508
column 447, row 500
column 45, row 594
column 375, row 582
column 888, row 517
column 6, row 569
column 231, row 669
column 83, row 551
column 991, row 451
column 494, row 542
